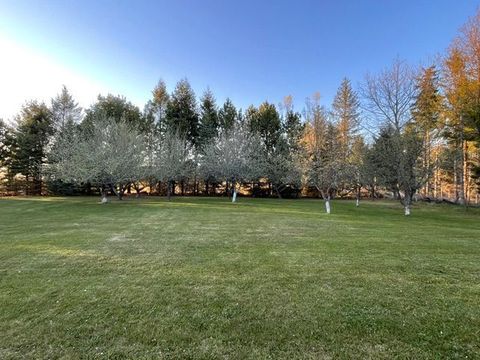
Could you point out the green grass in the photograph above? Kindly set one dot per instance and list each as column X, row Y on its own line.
column 203, row 278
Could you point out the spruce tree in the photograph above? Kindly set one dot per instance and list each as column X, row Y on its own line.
column 32, row 135
column 155, row 109
column 181, row 114
column 208, row 126
column 426, row 114
column 266, row 124
column 65, row 111
column 116, row 108
column 66, row 115
column 227, row 115
column 347, row 116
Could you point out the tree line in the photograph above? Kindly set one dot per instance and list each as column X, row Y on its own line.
column 404, row 131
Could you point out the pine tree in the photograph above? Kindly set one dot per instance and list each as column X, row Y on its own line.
column 461, row 82
column 426, row 114
column 116, row 108
column 227, row 115
column 155, row 109
column 266, row 124
column 292, row 124
column 4, row 131
column 181, row 114
column 208, row 126
column 66, row 115
column 32, row 135
column 65, row 111
column 395, row 161
column 7, row 144
column 347, row 116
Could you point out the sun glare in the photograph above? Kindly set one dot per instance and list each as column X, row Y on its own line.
column 28, row 74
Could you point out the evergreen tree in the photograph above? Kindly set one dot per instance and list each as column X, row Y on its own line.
column 384, row 158
column 395, row 158
column 32, row 134
column 116, row 108
column 65, row 111
column 461, row 85
column 426, row 114
column 266, row 123
column 4, row 143
column 155, row 109
column 292, row 125
column 181, row 114
column 7, row 144
column 66, row 115
column 208, row 127
column 347, row 116
column 227, row 115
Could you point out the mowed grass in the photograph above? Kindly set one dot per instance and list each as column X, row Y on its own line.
column 263, row 278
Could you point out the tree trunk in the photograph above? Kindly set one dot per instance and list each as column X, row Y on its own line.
column 435, row 178
column 37, row 185
column 169, row 187
column 461, row 177
column 136, row 186
column 103, row 194
column 234, row 197
column 327, row 204
column 466, row 175
column 326, row 198
column 121, row 189
column 396, row 194
column 357, row 203
column 407, row 201
column 277, row 191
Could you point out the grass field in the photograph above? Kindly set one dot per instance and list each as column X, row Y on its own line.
column 204, row 278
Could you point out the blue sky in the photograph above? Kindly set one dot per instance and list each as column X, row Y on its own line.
column 248, row 50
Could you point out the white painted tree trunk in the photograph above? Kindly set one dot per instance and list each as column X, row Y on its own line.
column 407, row 210
column 234, row 197
column 104, row 198
column 327, row 205
column 358, row 202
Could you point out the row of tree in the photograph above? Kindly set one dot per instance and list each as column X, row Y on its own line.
column 405, row 131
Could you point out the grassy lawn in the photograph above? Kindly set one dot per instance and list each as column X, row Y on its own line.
column 203, row 278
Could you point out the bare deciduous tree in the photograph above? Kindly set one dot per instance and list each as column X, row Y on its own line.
column 173, row 160
column 388, row 96
column 109, row 156
column 324, row 168
column 230, row 155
